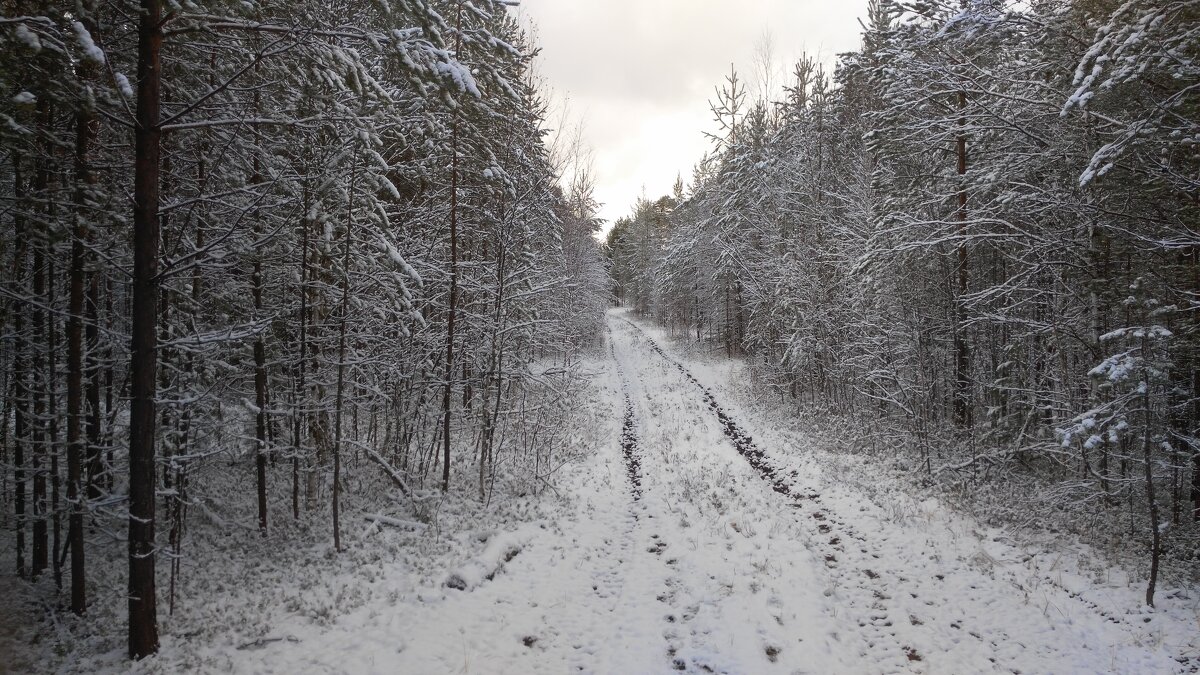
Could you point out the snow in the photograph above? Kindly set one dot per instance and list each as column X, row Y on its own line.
column 400, row 261
column 501, row 548
column 90, row 50
column 394, row 522
column 961, row 595
column 459, row 74
column 707, row 566
column 24, row 97
column 1117, row 367
column 123, row 85
column 28, row 37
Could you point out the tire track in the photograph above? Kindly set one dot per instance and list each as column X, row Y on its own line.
column 657, row 546
column 629, row 439
column 742, row 441
column 629, row 447
column 833, row 536
column 868, row 585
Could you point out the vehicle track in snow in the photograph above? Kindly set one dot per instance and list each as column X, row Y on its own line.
column 874, row 637
column 902, row 596
column 828, row 534
column 629, row 439
column 656, row 544
column 888, row 601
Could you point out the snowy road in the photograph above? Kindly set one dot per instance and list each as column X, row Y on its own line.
column 705, row 539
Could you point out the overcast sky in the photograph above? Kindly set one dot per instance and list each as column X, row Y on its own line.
column 640, row 73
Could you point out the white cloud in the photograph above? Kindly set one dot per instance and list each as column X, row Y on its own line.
column 641, row 72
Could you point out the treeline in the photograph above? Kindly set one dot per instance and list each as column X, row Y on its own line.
column 272, row 236
column 978, row 239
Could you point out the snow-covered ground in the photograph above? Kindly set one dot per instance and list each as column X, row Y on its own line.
column 701, row 537
column 858, row 580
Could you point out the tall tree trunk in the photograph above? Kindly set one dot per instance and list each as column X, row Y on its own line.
column 299, row 405
column 962, row 355
column 110, row 475
column 92, row 367
column 728, row 322
column 84, row 134
column 497, row 373
column 341, row 373
column 1152, row 502
column 143, row 615
column 41, row 377
column 165, row 412
column 260, row 359
column 451, row 310
column 1196, row 398
column 56, row 560
column 260, row 400
column 1195, row 453
column 41, row 383
column 20, row 391
column 55, row 479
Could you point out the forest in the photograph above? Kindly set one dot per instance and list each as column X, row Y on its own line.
column 975, row 242
column 271, row 239
column 302, row 305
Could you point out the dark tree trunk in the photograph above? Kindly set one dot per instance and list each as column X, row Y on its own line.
column 20, row 393
column 962, row 354
column 55, row 479
column 1195, row 454
column 260, row 364
column 299, row 404
column 1196, row 400
column 260, row 400
column 451, row 310
column 110, row 475
column 84, row 134
column 92, row 337
column 341, row 373
column 41, row 385
column 143, row 615
column 1155, row 537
